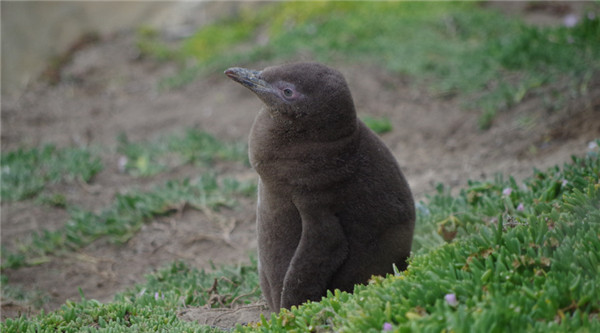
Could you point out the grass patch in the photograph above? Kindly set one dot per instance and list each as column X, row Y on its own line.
column 16, row 294
column 124, row 217
column 148, row 43
column 58, row 200
column 180, row 285
column 492, row 61
column 152, row 306
column 193, row 146
column 26, row 172
column 378, row 125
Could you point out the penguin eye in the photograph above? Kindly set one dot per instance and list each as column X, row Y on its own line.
column 287, row 92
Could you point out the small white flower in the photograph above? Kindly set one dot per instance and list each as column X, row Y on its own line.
column 451, row 299
column 507, row 191
column 570, row 20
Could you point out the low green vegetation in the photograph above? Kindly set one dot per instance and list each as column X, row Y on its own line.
column 192, row 146
column 180, row 285
column 16, row 295
column 153, row 306
column 491, row 61
column 127, row 213
column 498, row 256
column 379, row 125
column 26, row 172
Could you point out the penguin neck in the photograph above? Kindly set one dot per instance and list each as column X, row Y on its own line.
column 284, row 131
column 274, row 141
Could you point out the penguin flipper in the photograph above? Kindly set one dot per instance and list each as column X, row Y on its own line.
column 322, row 250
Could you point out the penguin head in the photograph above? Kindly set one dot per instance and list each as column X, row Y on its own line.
column 307, row 97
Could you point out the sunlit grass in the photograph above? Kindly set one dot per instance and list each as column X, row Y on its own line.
column 491, row 61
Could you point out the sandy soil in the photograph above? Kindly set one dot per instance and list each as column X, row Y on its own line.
column 107, row 89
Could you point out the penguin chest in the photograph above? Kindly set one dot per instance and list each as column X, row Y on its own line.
column 279, row 227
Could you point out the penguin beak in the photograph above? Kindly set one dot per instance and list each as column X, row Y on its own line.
column 248, row 78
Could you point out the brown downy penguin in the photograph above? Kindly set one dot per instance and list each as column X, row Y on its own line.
column 333, row 206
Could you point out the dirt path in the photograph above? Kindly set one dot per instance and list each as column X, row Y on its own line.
column 107, row 90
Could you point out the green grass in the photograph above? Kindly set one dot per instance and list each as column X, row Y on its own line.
column 152, row 306
column 18, row 295
column 180, row 285
column 191, row 147
column 26, row 172
column 379, row 125
column 126, row 214
column 517, row 258
column 491, row 61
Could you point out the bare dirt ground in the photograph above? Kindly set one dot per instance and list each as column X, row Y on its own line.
column 107, row 89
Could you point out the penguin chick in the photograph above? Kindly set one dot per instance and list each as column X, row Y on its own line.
column 333, row 206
